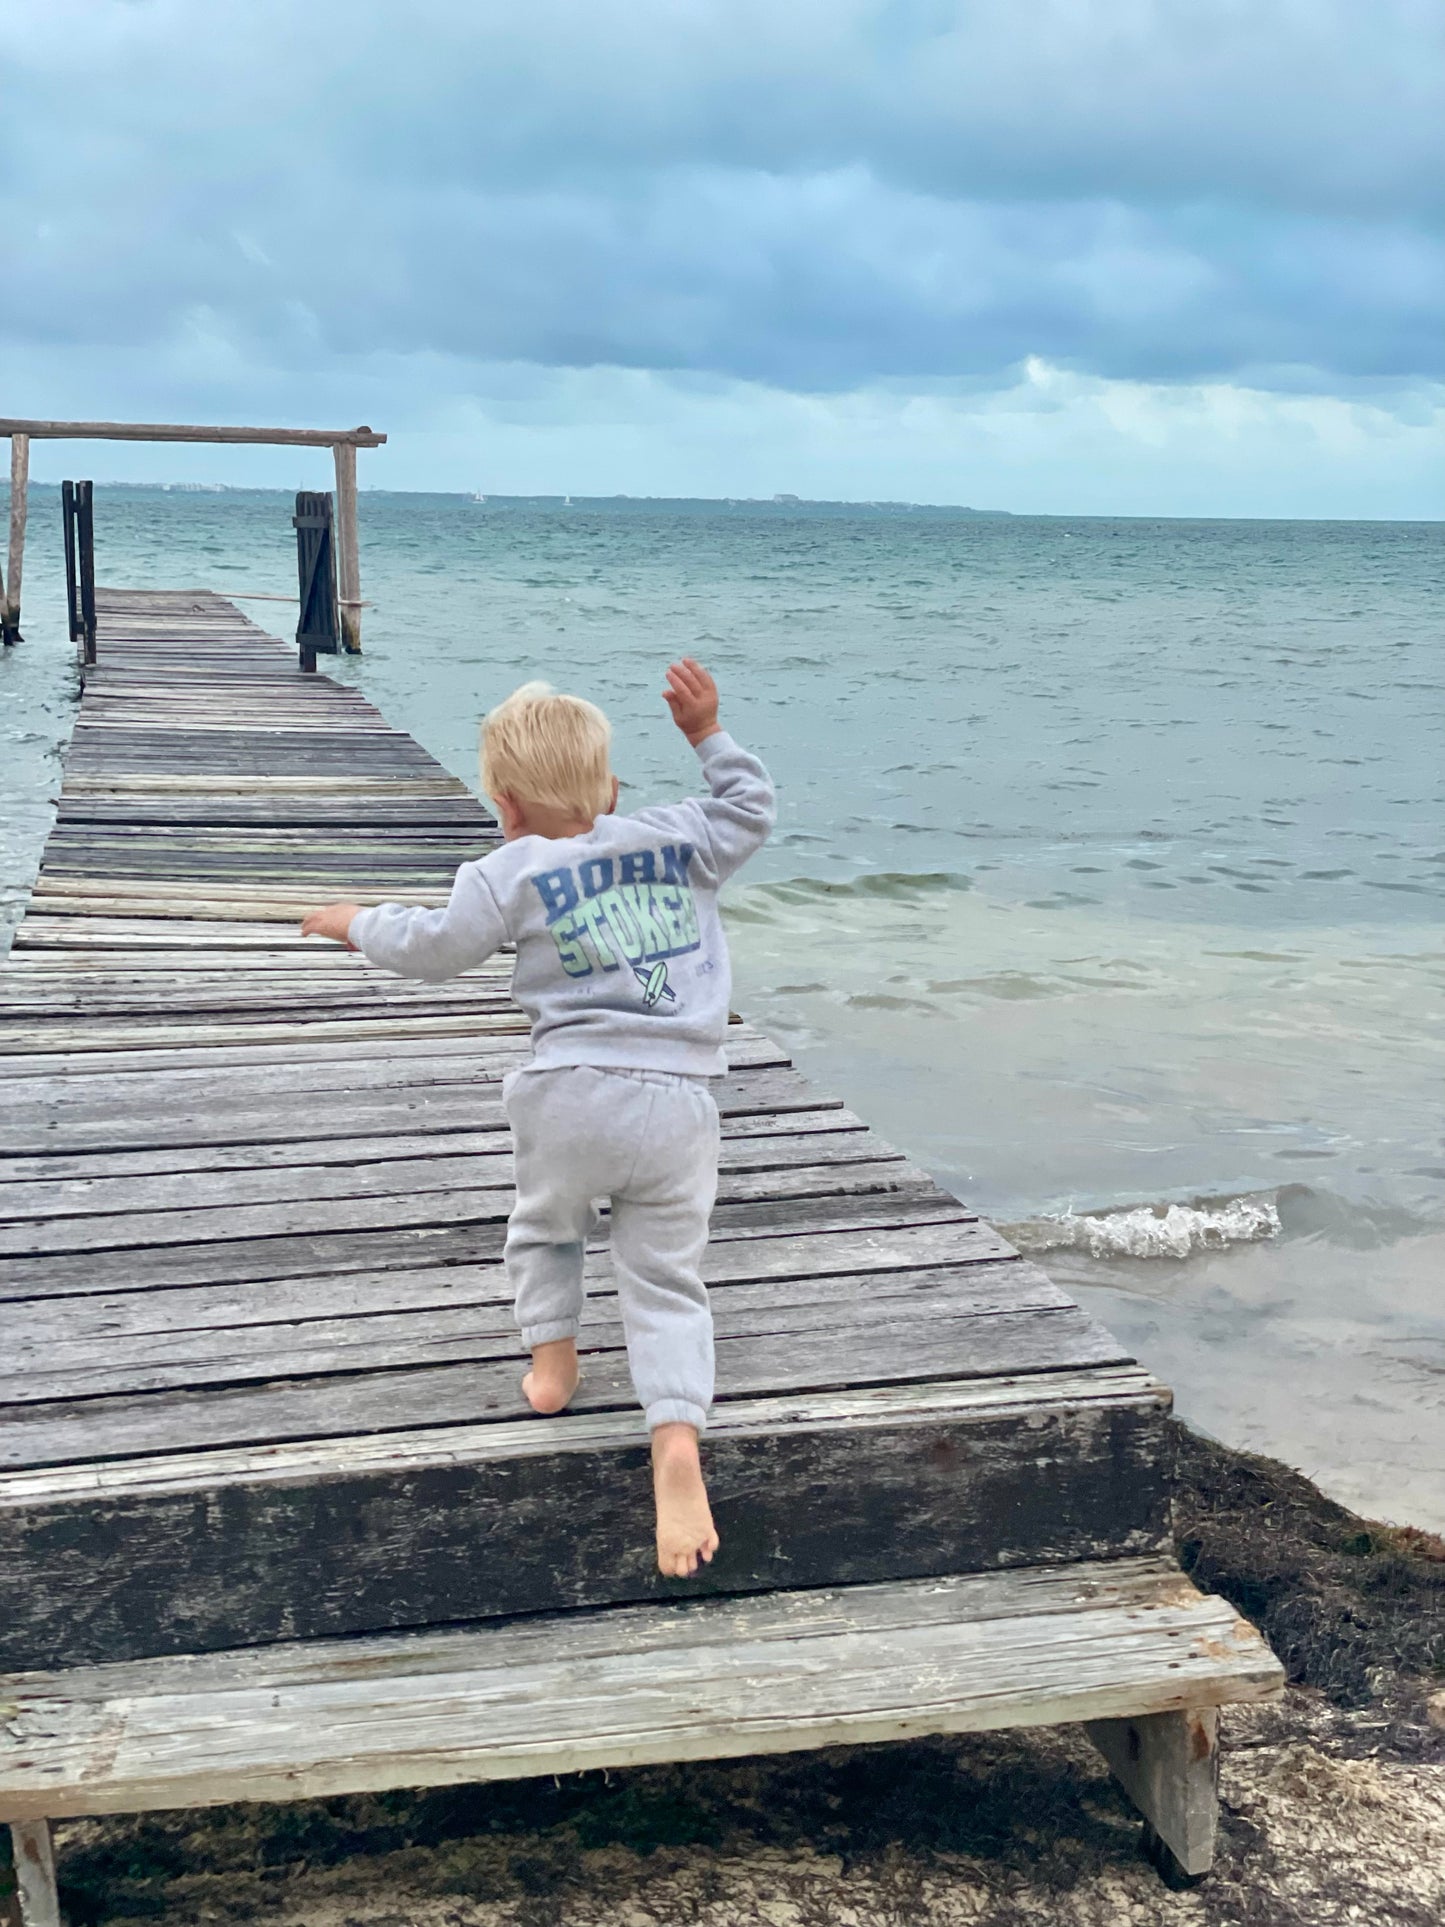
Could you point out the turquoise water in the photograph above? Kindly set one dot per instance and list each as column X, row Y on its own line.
column 1108, row 883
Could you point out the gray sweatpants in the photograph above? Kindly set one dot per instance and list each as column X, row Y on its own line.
column 648, row 1141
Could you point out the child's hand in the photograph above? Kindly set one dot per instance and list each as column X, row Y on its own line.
column 334, row 922
column 691, row 695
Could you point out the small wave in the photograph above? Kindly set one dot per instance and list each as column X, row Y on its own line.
column 1153, row 1230
column 892, row 885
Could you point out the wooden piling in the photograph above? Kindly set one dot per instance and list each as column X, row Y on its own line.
column 19, row 487
column 67, row 525
column 34, row 1854
column 348, row 561
column 85, row 624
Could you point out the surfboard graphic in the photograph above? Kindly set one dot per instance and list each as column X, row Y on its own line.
column 654, row 984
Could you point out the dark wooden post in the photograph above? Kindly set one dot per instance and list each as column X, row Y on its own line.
column 67, row 523
column 85, row 557
column 316, row 627
column 78, row 525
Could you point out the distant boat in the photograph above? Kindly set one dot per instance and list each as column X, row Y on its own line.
column 566, row 501
column 478, row 496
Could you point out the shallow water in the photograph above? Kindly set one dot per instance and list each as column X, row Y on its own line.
column 1108, row 881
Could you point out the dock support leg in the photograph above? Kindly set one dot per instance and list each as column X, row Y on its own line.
column 35, row 1873
column 1168, row 1764
column 19, row 483
column 348, row 557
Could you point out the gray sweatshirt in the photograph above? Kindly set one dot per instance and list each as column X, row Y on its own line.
column 621, row 958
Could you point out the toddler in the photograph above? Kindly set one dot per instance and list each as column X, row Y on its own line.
column 622, row 968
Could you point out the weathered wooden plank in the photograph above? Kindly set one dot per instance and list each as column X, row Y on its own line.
column 76, row 972
column 997, row 1344
column 160, row 784
column 274, row 813
column 183, row 1315
column 1097, row 1388
column 252, row 907
column 120, row 933
column 126, row 888
column 38, row 1175
column 485, row 1163
column 106, row 1076
column 924, row 1481
column 486, row 1195
column 453, row 1059
column 134, row 1035
column 214, row 1002
column 304, row 842
column 841, row 1234
column 1039, row 1592
column 752, row 1136
column 263, row 1058
column 69, row 1366
column 179, row 432
column 625, row 1688
column 138, row 1125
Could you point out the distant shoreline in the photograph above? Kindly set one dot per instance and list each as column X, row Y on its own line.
column 774, row 504
column 783, row 508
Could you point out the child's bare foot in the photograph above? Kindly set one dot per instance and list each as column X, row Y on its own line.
column 553, row 1378
column 685, row 1531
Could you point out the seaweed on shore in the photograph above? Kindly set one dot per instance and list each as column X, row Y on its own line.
column 1347, row 1604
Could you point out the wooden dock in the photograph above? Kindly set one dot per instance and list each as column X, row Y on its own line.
column 260, row 1381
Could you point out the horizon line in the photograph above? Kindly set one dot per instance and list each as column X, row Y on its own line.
column 783, row 502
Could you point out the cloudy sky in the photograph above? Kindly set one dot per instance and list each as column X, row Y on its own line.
column 1116, row 256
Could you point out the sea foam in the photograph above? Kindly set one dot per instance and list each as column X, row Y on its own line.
column 1153, row 1230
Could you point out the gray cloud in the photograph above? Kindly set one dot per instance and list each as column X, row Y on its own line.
column 815, row 194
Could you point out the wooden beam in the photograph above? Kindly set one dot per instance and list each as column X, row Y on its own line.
column 19, row 479
column 1168, row 1764
column 180, row 432
column 35, row 1873
column 348, row 562
column 577, row 1692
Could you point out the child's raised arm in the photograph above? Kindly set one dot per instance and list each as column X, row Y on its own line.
column 740, row 814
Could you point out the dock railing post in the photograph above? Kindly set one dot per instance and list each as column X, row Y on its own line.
column 67, row 524
column 316, row 578
column 348, row 558
column 19, row 487
column 85, row 560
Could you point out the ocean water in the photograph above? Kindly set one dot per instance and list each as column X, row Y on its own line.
column 1108, row 883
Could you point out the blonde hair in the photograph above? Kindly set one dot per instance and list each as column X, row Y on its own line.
column 540, row 747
